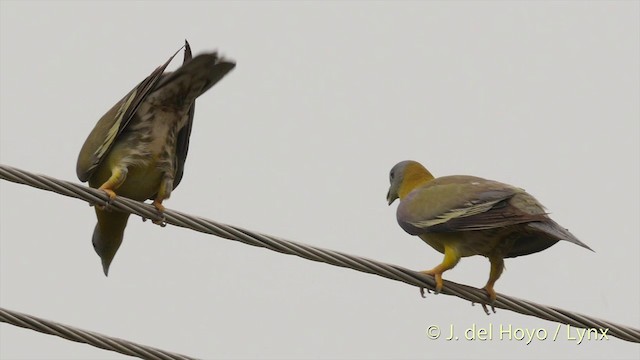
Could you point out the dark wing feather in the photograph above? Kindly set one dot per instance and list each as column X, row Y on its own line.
column 205, row 70
column 495, row 215
column 182, row 144
column 111, row 125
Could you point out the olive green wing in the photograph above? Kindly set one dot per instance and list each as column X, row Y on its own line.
column 466, row 203
column 111, row 125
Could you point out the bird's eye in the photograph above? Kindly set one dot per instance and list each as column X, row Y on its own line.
column 391, row 176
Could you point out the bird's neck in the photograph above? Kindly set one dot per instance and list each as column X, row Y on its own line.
column 413, row 178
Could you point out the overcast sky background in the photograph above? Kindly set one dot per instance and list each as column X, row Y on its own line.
column 297, row 142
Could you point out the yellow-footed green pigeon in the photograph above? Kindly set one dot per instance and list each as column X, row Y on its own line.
column 139, row 147
column 462, row 216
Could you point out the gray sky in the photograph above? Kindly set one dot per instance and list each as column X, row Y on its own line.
column 297, row 142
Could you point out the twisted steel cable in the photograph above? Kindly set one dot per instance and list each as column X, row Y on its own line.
column 332, row 257
column 87, row 337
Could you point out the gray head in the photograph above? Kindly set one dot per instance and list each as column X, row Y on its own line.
column 396, row 176
column 403, row 177
column 106, row 246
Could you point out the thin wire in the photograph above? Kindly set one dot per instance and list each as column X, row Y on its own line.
column 332, row 257
column 87, row 337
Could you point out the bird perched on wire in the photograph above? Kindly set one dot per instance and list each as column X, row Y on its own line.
column 461, row 216
column 139, row 147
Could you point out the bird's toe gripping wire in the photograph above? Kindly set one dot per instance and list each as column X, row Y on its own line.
column 162, row 220
column 491, row 293
column 437, row 274
column 111, row 196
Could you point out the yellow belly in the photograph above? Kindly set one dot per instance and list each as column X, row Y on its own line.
column 142, row 181
column 469, row 243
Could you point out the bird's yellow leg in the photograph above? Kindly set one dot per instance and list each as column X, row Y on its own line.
column 497, row 266
column 166, row 186
column 451, row 258
column 164, row 192
column 118, row 176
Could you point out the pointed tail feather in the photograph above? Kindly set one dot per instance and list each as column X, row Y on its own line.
column 192, row 79
column 553, row 228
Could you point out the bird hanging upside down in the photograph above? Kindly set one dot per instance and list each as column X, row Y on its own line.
column 139, row 147
column 462, row 216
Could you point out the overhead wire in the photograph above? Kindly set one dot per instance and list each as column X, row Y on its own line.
column 390, row 271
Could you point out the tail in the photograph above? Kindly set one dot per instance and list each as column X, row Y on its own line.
column 554, row 229
column 191, row 80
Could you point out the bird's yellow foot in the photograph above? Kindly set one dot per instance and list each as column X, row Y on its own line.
column 111, row 194
column 492, row 299
column 158, row 205
column 438, row 277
